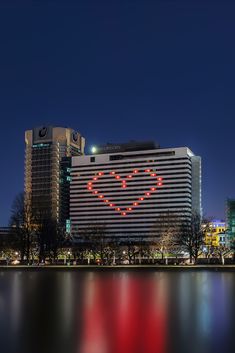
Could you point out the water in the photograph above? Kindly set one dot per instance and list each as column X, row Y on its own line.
column 117, row 312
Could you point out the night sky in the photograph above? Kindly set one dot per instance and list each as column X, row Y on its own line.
column 121, row 70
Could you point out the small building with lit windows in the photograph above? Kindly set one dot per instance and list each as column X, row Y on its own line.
column 216, row 234
column 127, row 188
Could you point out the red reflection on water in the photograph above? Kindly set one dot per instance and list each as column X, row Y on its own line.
column 93, row 338
column 154, row 330
column 124, row 314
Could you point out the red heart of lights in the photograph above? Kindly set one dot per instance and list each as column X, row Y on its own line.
column 157, row 182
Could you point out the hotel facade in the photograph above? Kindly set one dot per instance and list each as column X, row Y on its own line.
column 128, row 189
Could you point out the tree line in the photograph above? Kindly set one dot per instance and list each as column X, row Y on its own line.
column 37, row 238
column 34, row 236
column 170, row 238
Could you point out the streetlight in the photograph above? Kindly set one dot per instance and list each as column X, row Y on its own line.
column 69, row 253
column 15, row 262
column 93, row 149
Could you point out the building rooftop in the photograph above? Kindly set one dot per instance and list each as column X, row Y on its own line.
column 130, row 146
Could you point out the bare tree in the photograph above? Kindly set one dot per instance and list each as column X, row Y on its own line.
column 192, row 233
column 96, row 241
column 22, row 222
column 132, row 249
column 165, row 234
column 222, row 252
column 50, row 237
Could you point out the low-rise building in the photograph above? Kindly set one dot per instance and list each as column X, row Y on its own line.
column 216, row 234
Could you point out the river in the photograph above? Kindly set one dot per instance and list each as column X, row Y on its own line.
column 117, row 312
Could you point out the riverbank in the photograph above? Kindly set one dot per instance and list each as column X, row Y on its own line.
column 230, row 268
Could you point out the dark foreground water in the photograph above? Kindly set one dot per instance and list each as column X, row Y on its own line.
column 117, row 312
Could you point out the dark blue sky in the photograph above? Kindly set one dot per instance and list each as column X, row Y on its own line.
column 120, row 70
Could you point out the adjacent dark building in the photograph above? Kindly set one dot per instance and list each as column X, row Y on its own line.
column 231, row 219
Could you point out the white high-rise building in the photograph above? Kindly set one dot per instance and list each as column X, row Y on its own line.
column 128, row 188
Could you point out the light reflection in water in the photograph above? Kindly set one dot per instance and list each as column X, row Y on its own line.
column 122, row 313
column 127, row 312
column 15, row 300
